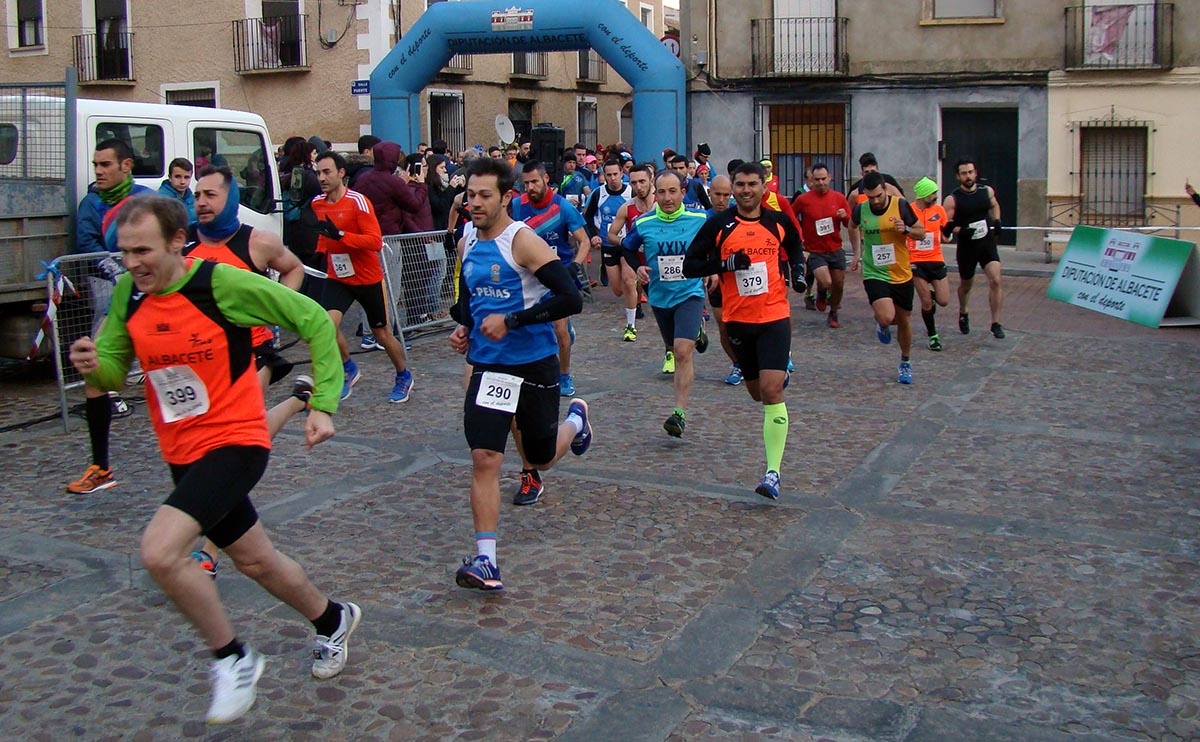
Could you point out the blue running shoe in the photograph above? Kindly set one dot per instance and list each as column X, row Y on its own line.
column 403, row 387
column 352, row 375
column 479, row 574
column 566, row 385
column 582, row 440
column 791, row 366
column 769, row 486
column 369, row 342
column 206, row 562
column 735, row 376
column 787, row 379
column 883, row 333
column 571, row 330
column 905, row 370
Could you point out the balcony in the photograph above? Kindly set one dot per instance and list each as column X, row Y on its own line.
column 1120, row 37
column 799, row 47
column 529, row 65
column 459, row 64
column 104, row 57
column 277, row 44
column 592, row 68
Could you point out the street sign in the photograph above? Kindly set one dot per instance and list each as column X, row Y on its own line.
column 360, row 87
column 671, row 41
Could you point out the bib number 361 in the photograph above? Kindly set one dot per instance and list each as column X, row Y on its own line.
column 181, row 394
column 753, row 280
column 498, row 391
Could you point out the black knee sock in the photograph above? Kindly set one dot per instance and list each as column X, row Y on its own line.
column 230, row 649
column 929, row 326
column 328, row 622
column 99, row 419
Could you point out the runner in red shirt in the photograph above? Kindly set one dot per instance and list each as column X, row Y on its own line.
column 823, row 213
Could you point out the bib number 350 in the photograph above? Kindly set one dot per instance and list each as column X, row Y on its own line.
column 181, row 394
column 498, row 391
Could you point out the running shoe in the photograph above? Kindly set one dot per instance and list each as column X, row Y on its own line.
column 479, row 574
column 93, row 480
column 675, row 423
column 206, row 562
column 704, row 313
column 964, row 324
column 120, row 408
column 571, row 331
column 735, row 375
column 403, row 387
column 639, row 313
column 668, row 363
column 331, row 652
column 832, row 319
column 791, row 366
column 883, row 333
column 702, row 341
column 234, row 685
column 351, row 377
column 566, row 385
column 369, row 342
column 787, row 379
column 630, row 334
column 583, row 439
column 905, row 372
column 769, row 486
column 302, row 388
column 531, row 488
column 997, row 331
column 935, row 342
column 809, row 304
column 822, row 301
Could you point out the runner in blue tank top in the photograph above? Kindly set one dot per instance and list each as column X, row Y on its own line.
column 511, row 288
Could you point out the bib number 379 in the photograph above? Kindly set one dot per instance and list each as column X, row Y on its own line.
column 753, row 280
column 498, row 391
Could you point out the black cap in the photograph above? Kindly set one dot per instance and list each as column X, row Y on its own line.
column 703, row 149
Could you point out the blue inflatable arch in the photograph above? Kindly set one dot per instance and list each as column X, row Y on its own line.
column 451, row 28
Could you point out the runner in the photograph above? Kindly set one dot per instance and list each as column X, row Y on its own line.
column 511, row 288
column 823, row 212
column 188, row 322
column 746, row 245
column 721, row 192
column 602, row 207
column 868, row 164
column 351, row 240
column 886, row 223
column 641, row 184
column 973, row 214
column 662, row 237
column 928, row 265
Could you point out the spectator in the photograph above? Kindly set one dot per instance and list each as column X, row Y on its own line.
column 299, row 185
column 178, row 185
column 363, row 161
column 398, row 201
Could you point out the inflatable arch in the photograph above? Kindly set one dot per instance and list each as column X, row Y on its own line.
column 450, row 28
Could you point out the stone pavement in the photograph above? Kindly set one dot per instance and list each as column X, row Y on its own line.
column 1004, row 550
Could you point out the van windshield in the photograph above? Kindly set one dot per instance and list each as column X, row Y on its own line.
column 243, row 152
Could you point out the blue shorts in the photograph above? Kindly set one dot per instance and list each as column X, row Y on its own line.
column 680, row 322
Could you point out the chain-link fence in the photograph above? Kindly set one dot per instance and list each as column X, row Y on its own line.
column 420, row 277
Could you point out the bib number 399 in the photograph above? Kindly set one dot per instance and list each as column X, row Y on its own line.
column 498, row 391
column 181, row 394
column 753, row 280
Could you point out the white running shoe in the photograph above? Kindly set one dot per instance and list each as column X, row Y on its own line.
column 331, row 652
column 234, row 686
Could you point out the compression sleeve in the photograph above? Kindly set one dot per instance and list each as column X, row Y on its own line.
column 589, row 214
column 703, row 256
column 460, row 311
column 564, row 301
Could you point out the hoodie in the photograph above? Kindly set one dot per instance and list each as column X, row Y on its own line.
column 400, row 207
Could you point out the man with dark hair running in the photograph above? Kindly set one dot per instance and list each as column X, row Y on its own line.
column 598, row 215
column 973, row 214
column 746, row 246
column 823, row 213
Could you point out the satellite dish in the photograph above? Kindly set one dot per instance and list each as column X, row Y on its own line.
column 505, row 130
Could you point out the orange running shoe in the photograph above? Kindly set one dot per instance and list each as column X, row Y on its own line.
column 93, row 480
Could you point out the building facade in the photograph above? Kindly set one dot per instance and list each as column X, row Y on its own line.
column 921, row 84
column 295, row 62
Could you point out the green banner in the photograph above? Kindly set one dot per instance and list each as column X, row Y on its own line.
column 1124, row 274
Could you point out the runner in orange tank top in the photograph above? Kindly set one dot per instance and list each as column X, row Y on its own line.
column 928, row 264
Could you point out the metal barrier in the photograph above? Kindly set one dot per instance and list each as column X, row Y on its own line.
column 419, row 273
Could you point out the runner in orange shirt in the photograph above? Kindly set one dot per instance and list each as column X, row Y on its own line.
column 928, row 265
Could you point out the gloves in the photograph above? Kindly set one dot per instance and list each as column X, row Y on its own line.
column 994, row 226
column 326, row 228
column 109, row 268
column 799, row 285
column 739, row 261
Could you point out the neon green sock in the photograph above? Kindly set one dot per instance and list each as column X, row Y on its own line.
column 775, row 430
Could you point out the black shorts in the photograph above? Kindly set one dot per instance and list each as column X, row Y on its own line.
column 266, row 357
column 901, row 294
column 536, row 415
column 759, row 346
column 215, row 490
column 610, row 256
column 835, row 261
column 971, row 254
column 929, row 272
column 339, row 296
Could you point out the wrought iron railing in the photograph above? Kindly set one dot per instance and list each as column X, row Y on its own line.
column 268, row 44
column 799, row 47
column 591, row 67
column 105, row 56
column 1132, row 36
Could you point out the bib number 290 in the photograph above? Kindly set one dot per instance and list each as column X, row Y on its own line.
column 498, row 391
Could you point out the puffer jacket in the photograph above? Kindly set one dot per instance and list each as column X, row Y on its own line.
column 396, row 203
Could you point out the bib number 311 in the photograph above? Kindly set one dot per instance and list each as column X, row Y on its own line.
column 498, row 391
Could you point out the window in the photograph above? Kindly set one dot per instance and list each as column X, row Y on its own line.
column 797, row 136
column 520, row 112
column 1112, row 178
column 949, row 9
column 243, row 152
column 29, row 23
column 647, row 17
column 146, row 141
column 588, row 127
column 447, row 119
column 8, row 143
column 203, row 97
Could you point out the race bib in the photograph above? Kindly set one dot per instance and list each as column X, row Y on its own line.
column 825, row 226
column 181, row 394
column 753, row 280
column 924, row 244
column 980, row 229
column 670, row 267
column 343, row 267
column 498, row 391
column 884, row 254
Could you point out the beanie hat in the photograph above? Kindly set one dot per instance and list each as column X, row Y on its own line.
column 924, row 188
